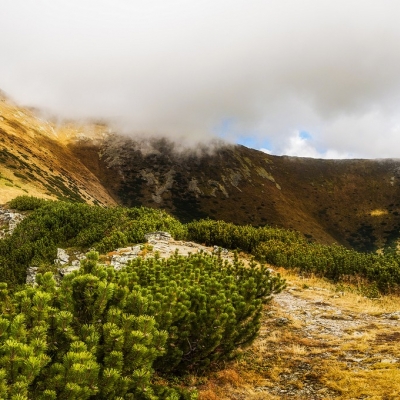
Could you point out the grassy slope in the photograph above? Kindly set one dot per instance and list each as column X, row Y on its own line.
column 35, row 160
column 352, row 202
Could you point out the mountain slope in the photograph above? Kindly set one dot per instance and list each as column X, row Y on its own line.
column 352, row 202
column 35, row 160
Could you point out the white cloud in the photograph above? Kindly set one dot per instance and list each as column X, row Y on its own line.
column 299, row 146
column 179, row 68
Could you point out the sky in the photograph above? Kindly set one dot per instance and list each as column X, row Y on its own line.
column 309, row 78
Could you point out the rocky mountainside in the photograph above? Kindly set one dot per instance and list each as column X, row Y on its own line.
column 352, row 202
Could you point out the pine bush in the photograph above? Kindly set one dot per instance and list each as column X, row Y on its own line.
column 102, row 333
column 209, row 307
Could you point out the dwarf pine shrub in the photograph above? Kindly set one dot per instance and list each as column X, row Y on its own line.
column 102, row 333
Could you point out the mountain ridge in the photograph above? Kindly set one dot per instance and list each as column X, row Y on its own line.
column 351, row 202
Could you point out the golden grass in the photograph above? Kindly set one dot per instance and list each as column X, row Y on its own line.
column 12, row 186
column 344, row 297
column 378, row 213
column 362, row 363
column 42, row 147
column 382, row 384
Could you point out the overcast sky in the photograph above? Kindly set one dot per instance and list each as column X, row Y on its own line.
column 313, row 78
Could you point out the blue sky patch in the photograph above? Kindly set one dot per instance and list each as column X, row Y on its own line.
column 305, row 135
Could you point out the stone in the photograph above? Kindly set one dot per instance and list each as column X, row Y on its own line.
column 62, row 257
column 159, row 235
column 282, row 321
column 31, row 275
column 9, row 220
column 67, row 270
column 218, row 249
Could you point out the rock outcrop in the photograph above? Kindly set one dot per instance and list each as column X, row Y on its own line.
column 8, row 221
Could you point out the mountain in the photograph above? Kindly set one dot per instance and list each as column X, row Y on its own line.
column 35, row 159
column 351, row 202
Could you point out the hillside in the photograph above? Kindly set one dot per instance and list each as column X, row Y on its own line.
column 34, row 159
column 352, row 202
column 317, row 341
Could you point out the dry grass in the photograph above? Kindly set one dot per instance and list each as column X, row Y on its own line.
column 37, row 149
column 378, row 213
column 285, row 362
column 377, row 383
column 347, row 298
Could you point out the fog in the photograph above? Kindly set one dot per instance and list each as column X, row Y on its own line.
column 253, row 71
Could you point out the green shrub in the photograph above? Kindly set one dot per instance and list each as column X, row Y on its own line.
column 26, row 203
column 54, row 224
column 60, row 224
column 100, row 333
column 115, row 240
column 77, row 341
column 290, row 249
column 209, row 307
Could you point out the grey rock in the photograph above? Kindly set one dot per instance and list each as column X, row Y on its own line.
column 218, row 249
column 9, row 221
column 282, row 321
column 125, row 255
column 159, row 235
column 62, row 257
column 67, row 270
column 31, row 275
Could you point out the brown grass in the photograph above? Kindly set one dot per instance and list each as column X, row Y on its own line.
column 284, row 362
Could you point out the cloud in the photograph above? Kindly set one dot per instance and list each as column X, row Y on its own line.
column 264, row 150
column 181, row 68
column 301, row 144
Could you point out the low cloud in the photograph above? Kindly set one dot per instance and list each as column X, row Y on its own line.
column 299, row 145
column 181, row 68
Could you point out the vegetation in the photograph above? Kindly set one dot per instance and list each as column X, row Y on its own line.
column 106, row 334
column 335, row 344
column 290, row 249
column 53, row 224
column 101, row 332
column 26, row 203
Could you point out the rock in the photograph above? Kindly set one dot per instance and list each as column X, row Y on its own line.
column 394, row 315
column 218, row 249
column 62, row 257
column 124, row 256
column 282, row 321
column 9, row 221
column 159, row 235
column 67, row 270
column 31, row 275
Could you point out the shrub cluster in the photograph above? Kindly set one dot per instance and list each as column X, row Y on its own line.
column 289, row 249
column 26, row 203
column 102, row 333
column 59, row 224
column 241, row 237
column 55, row 224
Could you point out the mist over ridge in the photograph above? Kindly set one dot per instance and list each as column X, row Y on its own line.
column 236, row 70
